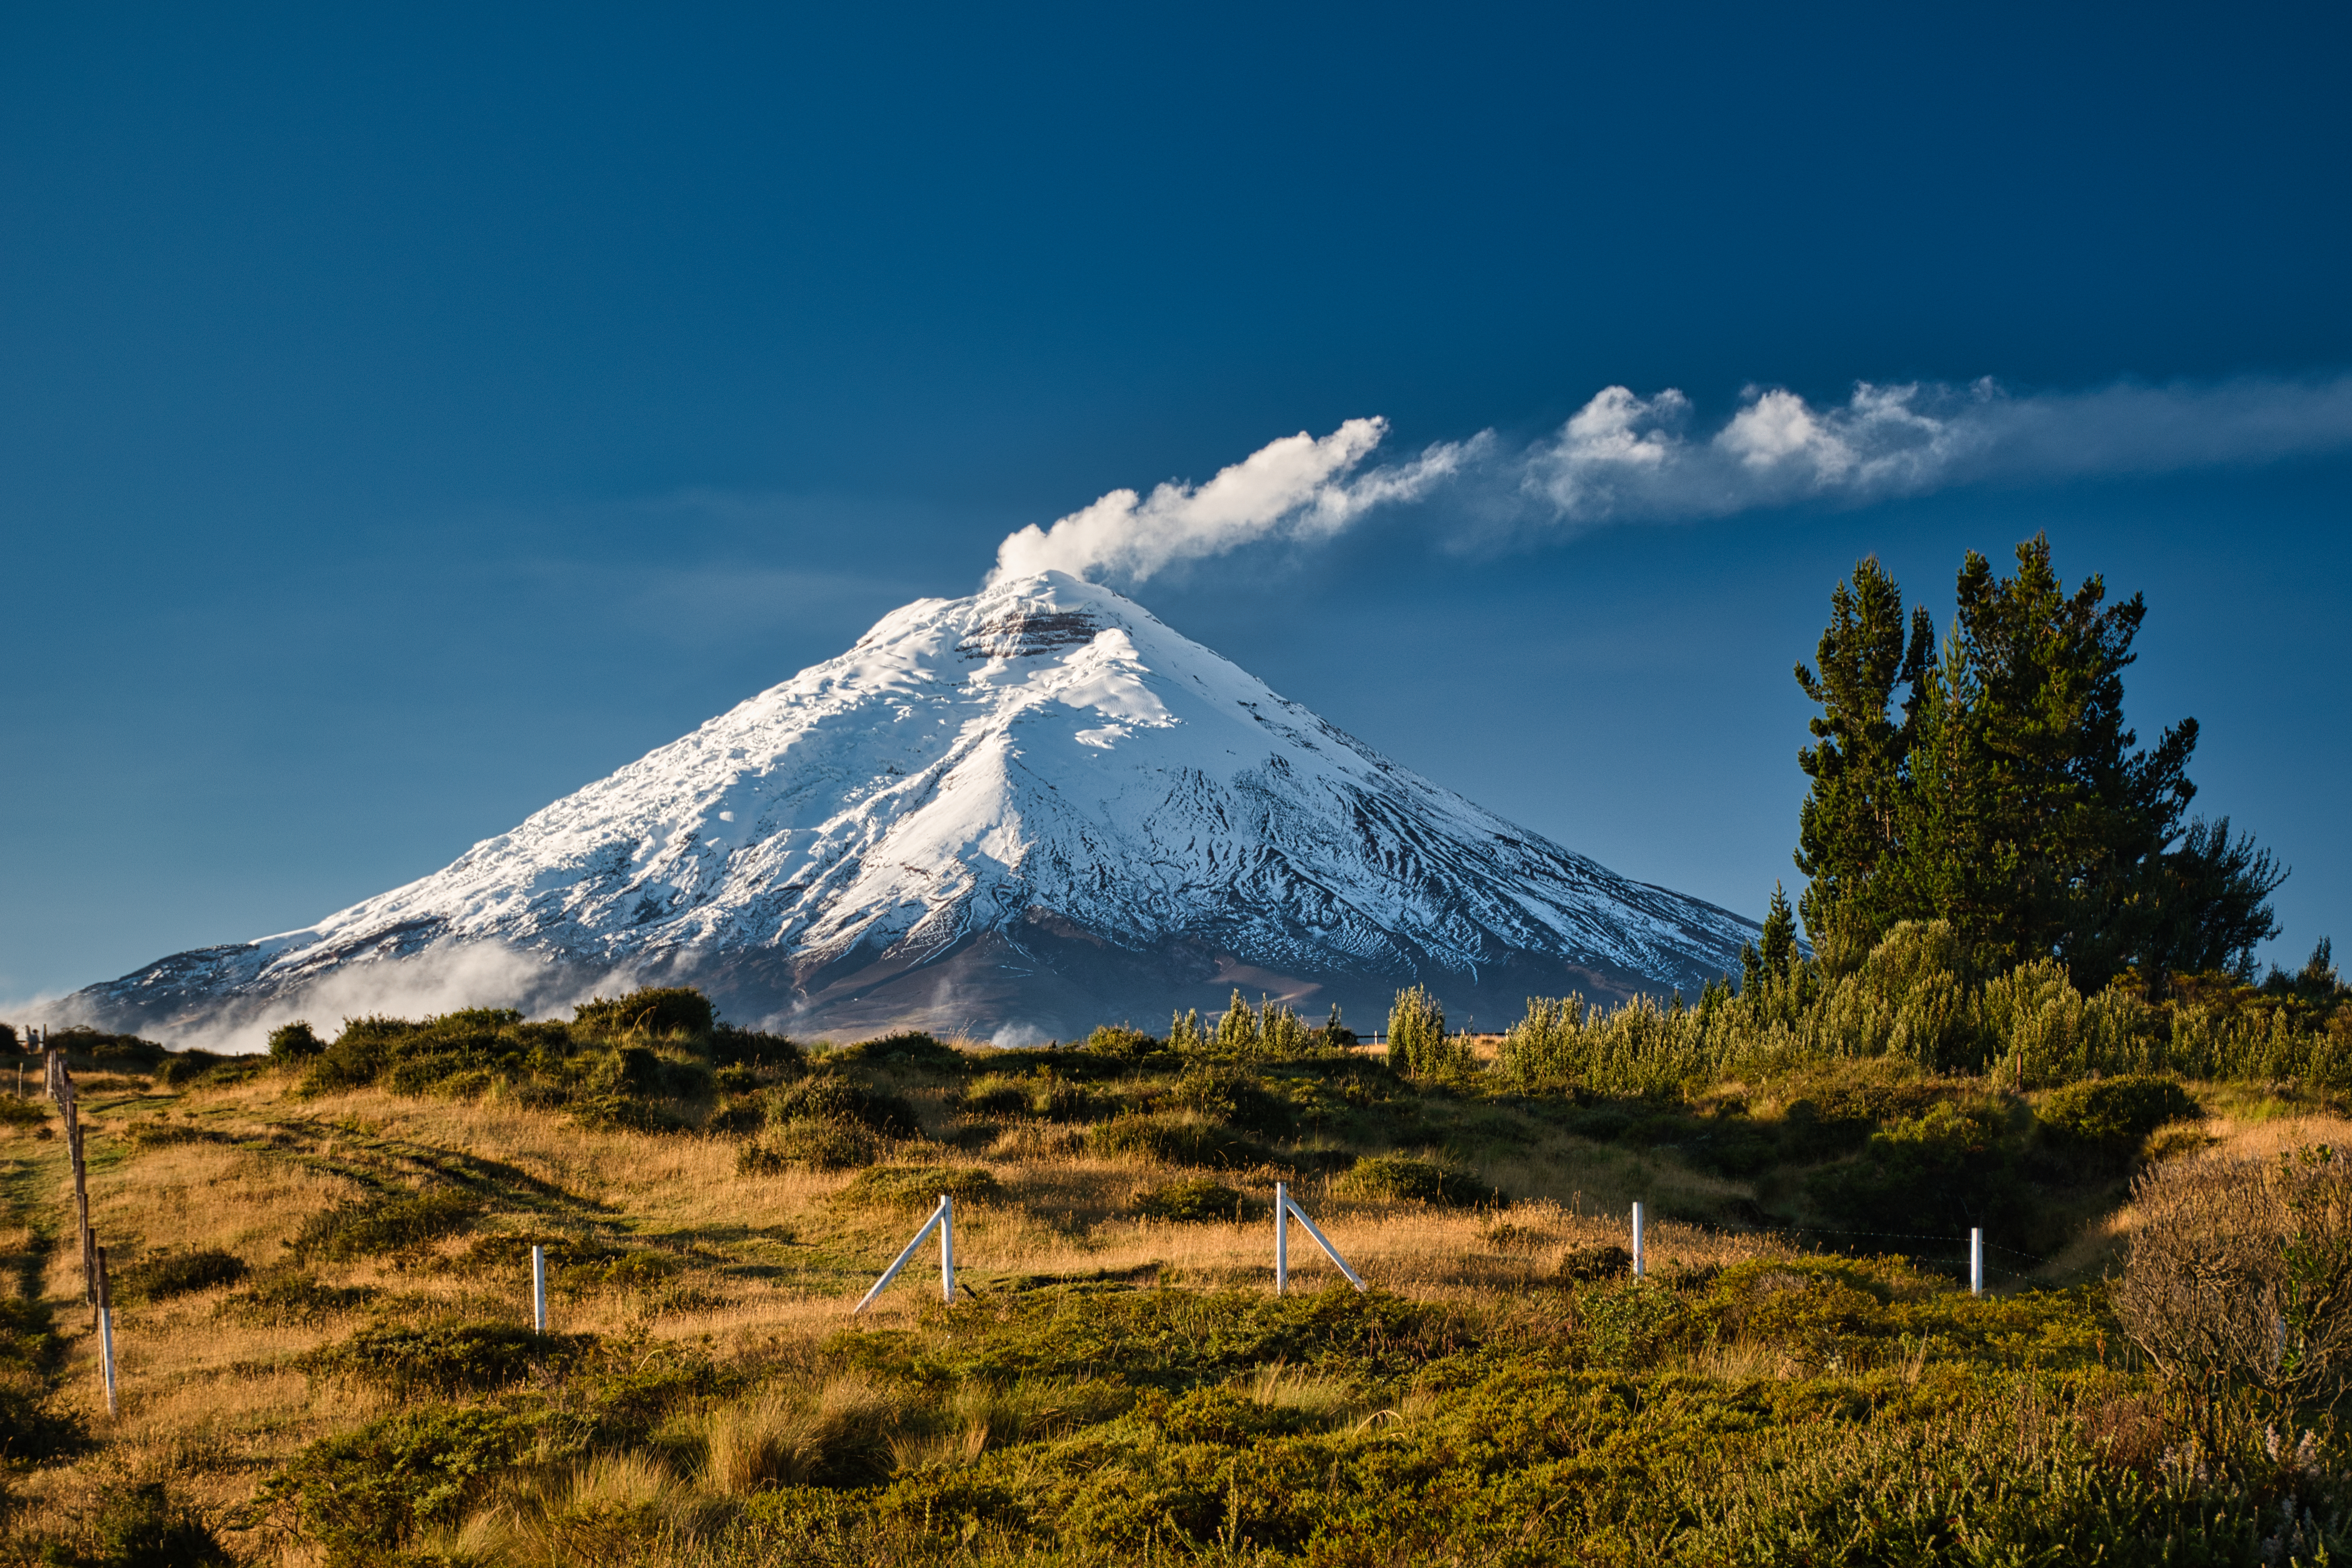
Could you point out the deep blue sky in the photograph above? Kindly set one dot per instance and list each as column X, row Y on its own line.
column 407, row 418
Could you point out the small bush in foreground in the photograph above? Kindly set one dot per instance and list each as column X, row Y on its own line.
column 809, row 1146
column 2243, row 1269
column 1178, row 1139
column 1200, row 1199
column 138, row 1524
column 830, row 1097
column 294, row 1300
column 913, row 1186
column 2116, row 1115
column 169, row 1274
column 1394, row 1178
column 389, row 1225
column 455, row 1358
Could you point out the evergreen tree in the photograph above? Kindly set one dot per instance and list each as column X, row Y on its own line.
column 1185, row 1034
column 2011, row 800
column 1847, row 830
column 1776, row 948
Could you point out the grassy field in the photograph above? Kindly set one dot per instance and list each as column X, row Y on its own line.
column 326, row 1352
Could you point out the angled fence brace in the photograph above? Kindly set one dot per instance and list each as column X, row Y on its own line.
column 943, row 1221
column 1285, row 1208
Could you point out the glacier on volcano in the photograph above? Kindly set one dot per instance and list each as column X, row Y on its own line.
column 1025, row 812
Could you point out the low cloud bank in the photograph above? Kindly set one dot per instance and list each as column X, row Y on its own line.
column 441, row 979
column 1626, row 457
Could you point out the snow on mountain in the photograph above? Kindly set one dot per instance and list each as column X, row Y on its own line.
column 1032, row 809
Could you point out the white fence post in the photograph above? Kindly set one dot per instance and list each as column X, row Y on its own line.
column 106, row 1337
column 942, row 1219
column 1976, row 1262
column 947, row 1248
column 538, row 1288
column 1281, row 1238
column 1639, row 1260
column 1285, row 1205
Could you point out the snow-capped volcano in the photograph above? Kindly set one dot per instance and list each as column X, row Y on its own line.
column 1037, row 807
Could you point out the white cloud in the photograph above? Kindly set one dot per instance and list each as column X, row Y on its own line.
column 1301, row 486
column 1625, row 457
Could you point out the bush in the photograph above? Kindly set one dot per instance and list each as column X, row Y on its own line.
column 2242, row 1269
column 1234, row 1096
column 1586, row 1264
column 15, row 1112
column 730, row 1046
column 459, row 1358
column 1419, row 1047
column 138, row 1524
column 1122, row 1043
column 392, row 1225
column 169, row 1274
column 1178, row 1141
column 2116, row 1115
column 1197, row 1199
column 295, row 1042
column 809, row 1146
column 911, row 1049
column 657, row 1012
column 363, row 1496
column 832, row 1097
column 293, row 1301
column 911, row 1186
column 186, row 1067
column 1942, row 1173
column 1394, row 1178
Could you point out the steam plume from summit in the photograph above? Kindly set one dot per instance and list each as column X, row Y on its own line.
column 1626, row 457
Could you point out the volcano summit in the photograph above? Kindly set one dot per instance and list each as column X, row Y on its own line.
column 1031, row 810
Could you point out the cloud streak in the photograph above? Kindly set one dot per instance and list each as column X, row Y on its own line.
column 1626, row 457
column 1300, row 486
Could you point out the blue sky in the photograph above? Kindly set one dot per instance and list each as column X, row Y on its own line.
column 407, row 416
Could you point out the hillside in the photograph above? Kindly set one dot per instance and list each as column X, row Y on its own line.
column 322, row 1261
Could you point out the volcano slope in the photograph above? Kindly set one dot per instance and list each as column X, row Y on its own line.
column 1017, row 813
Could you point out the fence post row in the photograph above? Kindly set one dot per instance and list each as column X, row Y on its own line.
column 943, row 1221
column 1976, row 1262
column 538, row 1288
column 1639, row 1258
column 1286, row 1208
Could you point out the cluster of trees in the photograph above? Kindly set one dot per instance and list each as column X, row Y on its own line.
column 1992, row 783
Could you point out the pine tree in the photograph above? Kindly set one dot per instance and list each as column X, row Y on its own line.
column 1417, row 1044
column 1776, row 948
column 1847, row 830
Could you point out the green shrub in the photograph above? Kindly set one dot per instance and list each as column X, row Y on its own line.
column 1591, row 1263
column 295, row 1041
column 186, row 1067
column 909, row 1049
column 392, row 1225
column 15, row 1112
column 731, row 1046
column 809, row 1146
column 1235, row 1096
column 294, row 1300
column 169, row 1274
column 362, row 1496
column 1197, row 1199
column 1394, row 1178
column 1419, row 1047
column 834, row 1097
column 908, row 1186
column 1121, row 1043
column 2115, row 1115
column 138, row 1524
column 657, row 1012
column 1939, row 1173
column 1176, row 1140
column 458, row 1358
